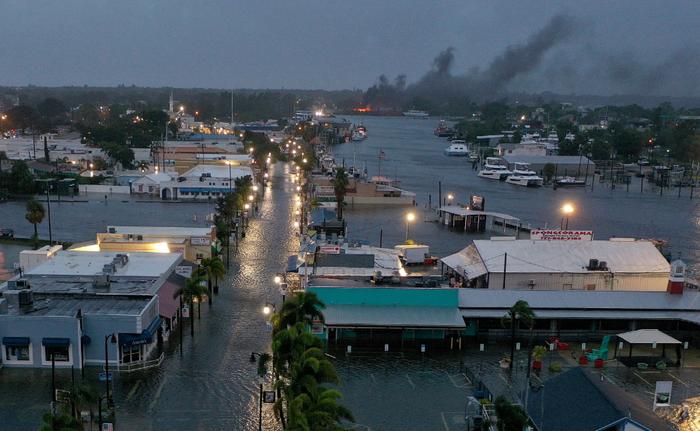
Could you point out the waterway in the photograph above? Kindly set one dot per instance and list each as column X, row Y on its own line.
column 414, row 156
column 213, row 385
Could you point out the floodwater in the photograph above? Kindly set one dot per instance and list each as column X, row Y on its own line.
column 414, row 156
column 213, row 386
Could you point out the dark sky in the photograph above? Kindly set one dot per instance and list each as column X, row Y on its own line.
column 342, row 44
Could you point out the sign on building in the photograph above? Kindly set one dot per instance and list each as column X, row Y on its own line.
column 329, row 249
column 185, row 271
column 477, row 203
column 561, row 235
column 198, row 240
column 185, row 312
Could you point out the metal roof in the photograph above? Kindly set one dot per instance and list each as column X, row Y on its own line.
column 648, row 336
column 528, row 256
column 463, row 212
column 466, row 262
column 67, row 305
column 386, row 316
column 76, row 263
column 162, row 231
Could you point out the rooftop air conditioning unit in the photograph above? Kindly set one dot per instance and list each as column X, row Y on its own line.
column 602, row 265
column 139, row 237
column 593, row 265
column 111, row 229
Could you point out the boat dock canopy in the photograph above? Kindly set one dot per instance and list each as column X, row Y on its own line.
column 464, row 212
column 392, row 316
column 647, row 336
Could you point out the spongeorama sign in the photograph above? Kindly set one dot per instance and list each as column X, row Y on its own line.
column 561, row 235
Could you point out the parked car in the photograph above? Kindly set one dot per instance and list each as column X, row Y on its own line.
column 7, row 233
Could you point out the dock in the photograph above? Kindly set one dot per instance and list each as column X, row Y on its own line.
column 463, row 218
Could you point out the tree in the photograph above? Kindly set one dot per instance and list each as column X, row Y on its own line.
column 21, row 117
column 52, row 111
column 59, row 422
column 548, row 171
column 193, row 290
column 340, row 185
column 520, row 312
column 304, row 307
column 142, row 166
column 35, row 215
column 510, row 417
column 120, row 153
column 212, row 268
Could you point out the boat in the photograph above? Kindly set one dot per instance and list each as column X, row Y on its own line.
column 494, row 170
column 443, row 130
column 358, row 136
column 457, row 148
column 415, row 113
column 569, row 182
column 524, row 176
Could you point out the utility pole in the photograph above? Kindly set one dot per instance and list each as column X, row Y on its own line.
column 505, row 266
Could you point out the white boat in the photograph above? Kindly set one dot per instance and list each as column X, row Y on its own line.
column 457, row 148
column 524, row 176
column 569, row 182
column 494, row 170
column 358, row 136
column 415, row 113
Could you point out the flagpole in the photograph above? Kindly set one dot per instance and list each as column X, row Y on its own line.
column 379, row 158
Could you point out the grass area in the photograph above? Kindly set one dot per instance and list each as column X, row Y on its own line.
column 30, row 242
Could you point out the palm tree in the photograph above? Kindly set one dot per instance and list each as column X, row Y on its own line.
column 35, row 215
column 304, row 307
column 318, row 410
column 142, row 166
column 340, row 185
column 520, row 312
column 83, row 396
column 213, row 268
column 192, row 290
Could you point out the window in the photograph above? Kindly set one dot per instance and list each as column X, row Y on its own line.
column 131, row 354
column 567, row 286
column 199, row 256
column 150, row 189
column 17, row 353
column 60, row 353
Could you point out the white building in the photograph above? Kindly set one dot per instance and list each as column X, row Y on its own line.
column 204, row 182
column 150, row 184
column 619, row 264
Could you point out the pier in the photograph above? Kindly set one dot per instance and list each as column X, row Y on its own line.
column 459, row 217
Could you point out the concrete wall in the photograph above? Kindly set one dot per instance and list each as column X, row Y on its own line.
column 96, row 188
column 601, row 280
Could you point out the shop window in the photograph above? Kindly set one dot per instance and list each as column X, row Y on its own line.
column 17, row 353
column 60, row 353
column 131, row 354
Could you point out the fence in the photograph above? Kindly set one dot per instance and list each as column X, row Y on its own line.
column 153, row 363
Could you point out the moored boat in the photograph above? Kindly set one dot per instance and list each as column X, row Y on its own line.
column 569, row 182
column 457, row 148
column 494, row 170
column 415, row 113
column 524, row 176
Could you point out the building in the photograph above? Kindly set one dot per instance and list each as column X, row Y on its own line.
column 71, row 302
column 150, row 184
column 194, row 243
column 204, row 182
column 564, row 165
column 618, row 264
column 576, row 400
column 508, row 149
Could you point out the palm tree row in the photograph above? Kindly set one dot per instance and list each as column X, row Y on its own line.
column 303, row 371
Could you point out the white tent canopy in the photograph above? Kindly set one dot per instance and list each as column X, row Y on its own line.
column 647, row 336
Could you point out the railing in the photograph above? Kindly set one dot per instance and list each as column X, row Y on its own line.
column 488, row 412
column 138, row 366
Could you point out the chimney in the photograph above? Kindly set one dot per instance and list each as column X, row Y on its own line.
column 676, row 281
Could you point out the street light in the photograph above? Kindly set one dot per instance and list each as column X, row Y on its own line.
column 410, row 217
column 112, row 338
column 450, row 196
column 255, row 188
column 278, row 279
column 567, row 209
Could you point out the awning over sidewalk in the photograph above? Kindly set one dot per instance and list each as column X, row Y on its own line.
column 15, row 341
column 647, row 336
column 145, row 337
column 55, row 342
column 351, row 316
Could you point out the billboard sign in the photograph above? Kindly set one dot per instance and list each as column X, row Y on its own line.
column 561, row 235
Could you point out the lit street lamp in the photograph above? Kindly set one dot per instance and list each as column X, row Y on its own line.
column 567, row 209
column 410, row 217
column 450, row 196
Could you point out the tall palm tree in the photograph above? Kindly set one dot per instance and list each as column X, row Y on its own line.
column 304, row 307
column 35, row 215
column 519, row 313
column 318, row 410
column 340, row 185
column 217, row 269
column 192, row 290
column 142, row 166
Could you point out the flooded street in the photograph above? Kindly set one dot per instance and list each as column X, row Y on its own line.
column 213, row 385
